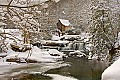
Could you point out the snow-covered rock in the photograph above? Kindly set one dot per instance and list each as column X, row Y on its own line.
column 35, row 55
column 70, row 36
column 56, row 0
column 85, row 36
column 112, row 72
column 55, row 38
column 77, row 54
column 54, row 42
column 55, row 52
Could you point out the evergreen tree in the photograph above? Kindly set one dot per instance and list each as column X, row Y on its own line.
column 103, row 32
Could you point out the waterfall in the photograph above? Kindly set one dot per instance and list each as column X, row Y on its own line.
column 75, row 46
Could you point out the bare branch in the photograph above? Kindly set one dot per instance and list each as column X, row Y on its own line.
column 9, row 37
column 10, row 2
column 19, row 6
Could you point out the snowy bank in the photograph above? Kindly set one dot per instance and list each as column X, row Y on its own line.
column 8, row 66
column 60, row 77
column 34, row 55
column 112, row 72
column 32, row 68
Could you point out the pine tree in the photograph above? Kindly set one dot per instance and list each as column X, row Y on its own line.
column 103, row 32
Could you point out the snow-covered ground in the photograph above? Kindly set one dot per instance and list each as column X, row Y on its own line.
column 60, row 77
column 42, row 56
column 83, row 35
column 35, row 54
column 112, row 72
column 42, row 67
column 8, row 66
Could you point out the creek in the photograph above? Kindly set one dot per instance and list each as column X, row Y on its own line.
column 69, row 69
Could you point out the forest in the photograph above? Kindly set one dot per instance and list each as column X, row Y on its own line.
column 59, row 39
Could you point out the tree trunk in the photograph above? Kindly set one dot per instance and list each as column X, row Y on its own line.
column 112, row 53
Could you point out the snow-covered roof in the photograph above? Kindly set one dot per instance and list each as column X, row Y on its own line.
column 65, row 22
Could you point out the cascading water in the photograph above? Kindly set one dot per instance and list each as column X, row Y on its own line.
column 76, row 49
column 75, row 46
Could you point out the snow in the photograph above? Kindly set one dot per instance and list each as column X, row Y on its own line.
column 92, row 57
column 15, row 18
column 1, row 11
column 118, row 41
column 35, row 54
column 32, row 2
column 44, row 5
column 14, row 32
column 3, row 54
column 70, row 36
column 32, row 21
column 65, row 22
column 50, row 41
column 78, row 53
column 5, row 2
column 112, row 72
column 56, row 0
column 85, row 36
column 119, row 38
column 7, row 66
column 60, row 77
column 54, row 37
column 1, row 17
column 28, row 16
column 54, row 51
column 2, row 24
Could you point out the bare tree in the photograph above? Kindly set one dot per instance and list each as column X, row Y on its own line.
column 23, row 15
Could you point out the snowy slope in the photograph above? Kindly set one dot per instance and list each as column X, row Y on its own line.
column 112, row 72
column 35, row 54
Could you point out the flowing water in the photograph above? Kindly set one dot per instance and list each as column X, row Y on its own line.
column 70, row 69
column 81, row 69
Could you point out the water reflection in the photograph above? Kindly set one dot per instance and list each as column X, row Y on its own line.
column 82, row 69
column 79, row 69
